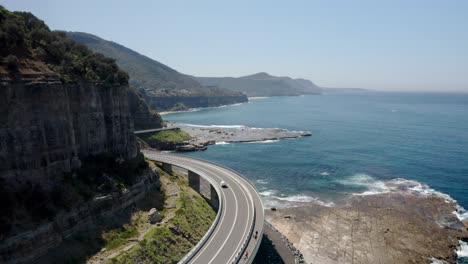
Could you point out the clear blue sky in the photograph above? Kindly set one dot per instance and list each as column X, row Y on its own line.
column 384, row 45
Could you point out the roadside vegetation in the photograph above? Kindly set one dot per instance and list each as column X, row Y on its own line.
column 170, row 136
column 186, row 218
column 99, row 175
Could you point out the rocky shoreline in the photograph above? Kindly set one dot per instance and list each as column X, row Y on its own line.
column 203, row 136
column 381, row 228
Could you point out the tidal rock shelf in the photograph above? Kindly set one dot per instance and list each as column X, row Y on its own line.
column 202, row 136
column 381, row 228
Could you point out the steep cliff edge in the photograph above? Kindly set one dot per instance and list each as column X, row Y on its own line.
column 66, row 129
column 143, row 116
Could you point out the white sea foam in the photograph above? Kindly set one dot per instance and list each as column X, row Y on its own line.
column 462, row 249
column 272, row 200
column 234, row 104
column 461, row 213
column 268, row 192
column 261, row 181
column 325, row 173
column 222, row 143
column 213, row 126
column 437, row 261
column 263, row 141
column 401, row 185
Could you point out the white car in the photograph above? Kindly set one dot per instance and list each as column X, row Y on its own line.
column 224, row 184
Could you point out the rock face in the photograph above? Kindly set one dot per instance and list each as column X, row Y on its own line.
column 143, row 116
column 93, row 215
column 47, row 126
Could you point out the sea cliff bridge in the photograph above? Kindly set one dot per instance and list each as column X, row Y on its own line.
column 236, row 233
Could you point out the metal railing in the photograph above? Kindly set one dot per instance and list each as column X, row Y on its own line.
column 204, row 239
column 249, row 237
column 210, row 231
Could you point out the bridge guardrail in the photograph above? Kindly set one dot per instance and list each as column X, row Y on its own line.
column 239, row 254
column 203, row 240
column 249, row 237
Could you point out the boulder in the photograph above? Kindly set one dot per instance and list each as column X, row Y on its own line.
column 154, row 216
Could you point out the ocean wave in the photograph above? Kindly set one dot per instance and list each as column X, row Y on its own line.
column 233, row 104
column 263, row 141
column 268, row 192
column 271, row 200
column 213, row 126
column 401, row 185
column 437, row 261
column 324, row 173
column 261, row 181
column 222, row 143
column 462, row 249
column 461, row 213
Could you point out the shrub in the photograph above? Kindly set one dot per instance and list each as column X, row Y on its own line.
column 12, row 63
column 26, row 36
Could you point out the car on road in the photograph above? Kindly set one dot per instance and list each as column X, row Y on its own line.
column 224, row 184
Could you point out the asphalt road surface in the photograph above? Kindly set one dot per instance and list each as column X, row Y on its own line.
column 241, row 215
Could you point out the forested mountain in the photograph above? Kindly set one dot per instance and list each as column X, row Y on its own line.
column 263, row 84
column 162, row 86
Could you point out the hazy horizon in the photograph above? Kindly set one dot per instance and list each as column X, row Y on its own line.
column 385, row 45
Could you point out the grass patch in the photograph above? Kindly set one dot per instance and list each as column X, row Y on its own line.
column 170, row 243
column 170, row 136
column 119, row 236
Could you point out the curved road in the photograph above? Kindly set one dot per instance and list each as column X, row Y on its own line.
column 240, row 213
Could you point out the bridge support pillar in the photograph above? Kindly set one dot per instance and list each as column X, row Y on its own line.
column 194, row 181
column 214, row 200
column 167, row 168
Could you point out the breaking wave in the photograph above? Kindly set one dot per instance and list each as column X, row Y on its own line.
column 213, row 126
column 263, row 141
column 401, row 185
column 262, row 181
column 462, row 250
column 273, row 200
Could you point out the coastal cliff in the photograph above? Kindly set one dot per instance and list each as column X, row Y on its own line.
column 41, row 138
column 143, row 116
column 66, row 139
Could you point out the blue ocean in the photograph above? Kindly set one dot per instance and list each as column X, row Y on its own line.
column 362, row 142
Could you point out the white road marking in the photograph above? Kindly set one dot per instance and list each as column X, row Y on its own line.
column 206, row 169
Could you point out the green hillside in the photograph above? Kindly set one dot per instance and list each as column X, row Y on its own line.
column 263, row 84
column 162, row 86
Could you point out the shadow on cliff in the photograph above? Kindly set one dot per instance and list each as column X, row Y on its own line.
column 80, row 248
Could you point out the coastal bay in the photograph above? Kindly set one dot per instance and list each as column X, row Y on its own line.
column 398, row 151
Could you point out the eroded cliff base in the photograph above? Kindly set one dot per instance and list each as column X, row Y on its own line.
column 383, row 228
